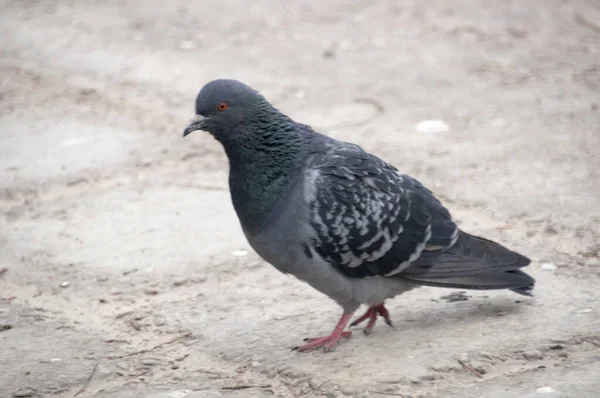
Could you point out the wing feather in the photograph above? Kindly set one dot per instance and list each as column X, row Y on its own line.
column 370, row 220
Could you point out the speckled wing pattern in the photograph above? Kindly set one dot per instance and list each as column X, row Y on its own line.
column 369, row 219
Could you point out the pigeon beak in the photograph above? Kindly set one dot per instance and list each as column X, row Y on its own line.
column 197, row 123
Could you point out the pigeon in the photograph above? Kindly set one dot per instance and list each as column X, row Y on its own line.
column 339, row 218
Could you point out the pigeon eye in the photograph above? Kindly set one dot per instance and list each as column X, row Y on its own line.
column 222, row 106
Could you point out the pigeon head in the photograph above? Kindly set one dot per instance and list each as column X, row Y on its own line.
column 222, row 106
column 265, row 148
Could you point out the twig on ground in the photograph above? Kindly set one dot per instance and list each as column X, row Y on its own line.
column 322, row 384
column 135, row 324
column 123, row 314
column 469, row 368
column 87, row 382
column 588, row 22
column 501, row 227
column 216, row 373
column 146, row 350
column 245, row 387
column 592, row 252
column 181, row 358
column 395, row 394
column 203, row 187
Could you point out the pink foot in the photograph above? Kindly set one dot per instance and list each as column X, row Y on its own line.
column 371, row 315
column 328, row 342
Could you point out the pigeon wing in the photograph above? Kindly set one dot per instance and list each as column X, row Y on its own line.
column 370, row 220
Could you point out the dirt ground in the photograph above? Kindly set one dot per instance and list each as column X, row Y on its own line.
column 124, row 272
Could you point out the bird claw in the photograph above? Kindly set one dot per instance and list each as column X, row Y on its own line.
column 327, row 342
column 371, row 315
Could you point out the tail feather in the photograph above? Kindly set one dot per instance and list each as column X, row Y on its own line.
column 527, row 289
column 472, row 263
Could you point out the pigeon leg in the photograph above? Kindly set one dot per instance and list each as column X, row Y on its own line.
column 328, row 342
column 385, row 315
column 371, row 315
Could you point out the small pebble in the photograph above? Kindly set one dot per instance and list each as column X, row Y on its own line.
column 240, row 253
column 187, row 45
column 137, row 36
column 65, row 284
column 432, row 126
column 545, row 390
column 533, row 355
column 547, row 266
column 178, row 393
column 150, row 361
column 456, row 296
column 464, row 357
column 328, row 54
column 444, row 366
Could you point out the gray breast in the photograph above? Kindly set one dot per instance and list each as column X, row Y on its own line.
column 283, row 243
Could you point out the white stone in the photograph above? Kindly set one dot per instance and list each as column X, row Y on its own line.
column 178, row 393
column 432, row 126
column 547, row 266
column 187, row 45
column 545, row 390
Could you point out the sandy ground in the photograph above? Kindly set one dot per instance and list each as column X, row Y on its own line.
column 118, row 268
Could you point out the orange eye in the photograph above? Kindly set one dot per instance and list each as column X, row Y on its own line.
column 222, row 106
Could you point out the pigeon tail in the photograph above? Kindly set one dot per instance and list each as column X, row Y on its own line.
column 472, row 263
